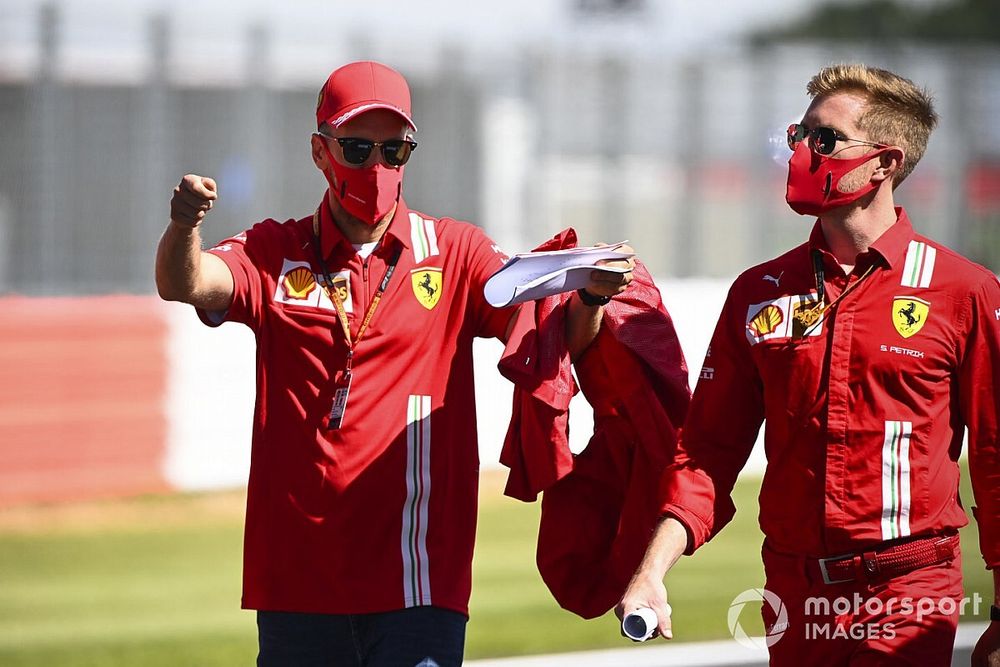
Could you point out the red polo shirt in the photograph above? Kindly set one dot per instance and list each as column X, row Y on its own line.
column 865, row 412
column 380, row 514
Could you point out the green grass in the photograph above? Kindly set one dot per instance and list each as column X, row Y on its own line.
column 156, row 581
column 510, row 601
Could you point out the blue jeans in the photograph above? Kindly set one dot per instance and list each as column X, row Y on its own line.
column 414, row 637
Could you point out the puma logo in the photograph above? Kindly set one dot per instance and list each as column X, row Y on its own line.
column 776, row 281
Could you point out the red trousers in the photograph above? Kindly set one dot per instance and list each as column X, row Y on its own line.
column 909, row 619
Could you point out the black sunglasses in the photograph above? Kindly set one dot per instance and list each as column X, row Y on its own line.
column 823, row 140
column 395, row 152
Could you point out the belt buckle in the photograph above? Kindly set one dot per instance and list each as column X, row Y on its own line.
column 826, row 575
column 944, row 549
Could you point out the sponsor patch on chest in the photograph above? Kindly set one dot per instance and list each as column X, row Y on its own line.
column 298, row 285
column 785, row 317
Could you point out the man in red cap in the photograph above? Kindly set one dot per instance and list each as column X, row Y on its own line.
column 361, row 505
column 869, row 350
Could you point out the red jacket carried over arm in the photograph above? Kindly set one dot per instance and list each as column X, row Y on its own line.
column 599, row 507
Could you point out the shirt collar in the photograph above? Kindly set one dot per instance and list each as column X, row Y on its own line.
column 891, row 246
column 332, row 237
column 817, row 241
column 894, row 241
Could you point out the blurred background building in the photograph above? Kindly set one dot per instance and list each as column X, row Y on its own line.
column 659, row 121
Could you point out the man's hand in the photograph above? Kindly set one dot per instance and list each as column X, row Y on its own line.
column 584, row 319
column 183, row 271
column 987, row 651
column 610, row 283
column 192, row 200
column 645, row 591
column 646, row 588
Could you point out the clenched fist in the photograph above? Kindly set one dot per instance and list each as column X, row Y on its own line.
column 192, row 199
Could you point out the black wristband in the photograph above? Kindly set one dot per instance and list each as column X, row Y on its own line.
column 591, row 300
column 994, row 613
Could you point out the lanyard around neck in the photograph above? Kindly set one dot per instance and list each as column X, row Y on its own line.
column 338, row 303
column 810, row 317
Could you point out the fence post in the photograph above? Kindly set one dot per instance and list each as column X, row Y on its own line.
column 48, row 189
column 690, row 157
column 151, row 151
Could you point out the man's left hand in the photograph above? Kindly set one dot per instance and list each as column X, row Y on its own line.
column 987, row 651
column 612, row 283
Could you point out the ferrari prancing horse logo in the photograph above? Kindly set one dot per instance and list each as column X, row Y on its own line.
column 426, row 284
column 909, row 314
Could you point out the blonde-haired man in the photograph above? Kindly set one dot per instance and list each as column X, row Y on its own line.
column 869, row 350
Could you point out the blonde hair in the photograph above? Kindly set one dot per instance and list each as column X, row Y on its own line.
column 897, row 112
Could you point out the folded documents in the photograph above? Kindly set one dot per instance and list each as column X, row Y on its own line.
column 535, row 275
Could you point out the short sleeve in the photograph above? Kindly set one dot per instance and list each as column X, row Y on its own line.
column 485, row 259
column 244, row 255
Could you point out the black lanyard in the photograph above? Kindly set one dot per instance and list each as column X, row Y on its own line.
column 809, row 318
column 820, row 273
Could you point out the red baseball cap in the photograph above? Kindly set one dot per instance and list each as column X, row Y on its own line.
column 359, row 87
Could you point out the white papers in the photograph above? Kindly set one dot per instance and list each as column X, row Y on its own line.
column 534, row 275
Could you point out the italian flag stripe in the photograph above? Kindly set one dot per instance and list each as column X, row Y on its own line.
column 919, row 265
column 423, row 238
column 896, row 480
column 416, row 567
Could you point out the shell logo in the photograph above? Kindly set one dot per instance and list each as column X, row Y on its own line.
column 766, row 321
column 299, row 283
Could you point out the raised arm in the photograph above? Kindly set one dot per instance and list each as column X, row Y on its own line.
column 183, row 271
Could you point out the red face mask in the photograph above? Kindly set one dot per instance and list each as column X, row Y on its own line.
column 367, row 193
column 813, row 180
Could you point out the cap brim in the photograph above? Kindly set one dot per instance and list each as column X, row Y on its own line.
column 345, row 116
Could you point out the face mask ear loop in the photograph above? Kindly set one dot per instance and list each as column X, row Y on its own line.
column 333, row 175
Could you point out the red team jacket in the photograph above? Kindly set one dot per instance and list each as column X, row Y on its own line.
column 381, row 514
column 596, row 513
column 865, row 414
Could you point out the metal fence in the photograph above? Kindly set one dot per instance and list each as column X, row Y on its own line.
column 684, row 157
